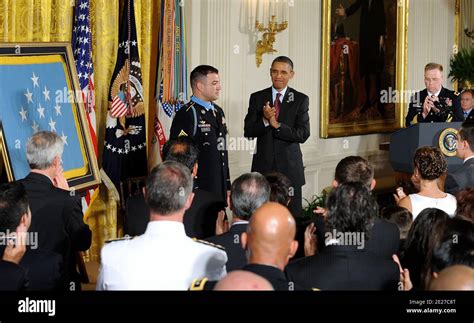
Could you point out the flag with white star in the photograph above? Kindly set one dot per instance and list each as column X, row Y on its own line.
column 82, row 49
column 125, row 135
column 35, row 97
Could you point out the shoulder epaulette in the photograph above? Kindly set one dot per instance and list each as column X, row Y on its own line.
column 198, row 284
column 124, row 238
column 209, row 243
column 191, row 104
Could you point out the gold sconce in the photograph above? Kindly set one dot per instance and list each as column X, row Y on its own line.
column 265, row 45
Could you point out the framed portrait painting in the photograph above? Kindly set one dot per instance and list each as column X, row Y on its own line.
column 363, row 75
column 40, row 91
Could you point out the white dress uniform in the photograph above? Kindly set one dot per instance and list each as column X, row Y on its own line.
column 163, row 258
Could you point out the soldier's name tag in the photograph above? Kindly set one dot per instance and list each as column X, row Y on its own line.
column 204, row 127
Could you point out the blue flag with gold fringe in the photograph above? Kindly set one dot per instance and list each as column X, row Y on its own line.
column 125, row 137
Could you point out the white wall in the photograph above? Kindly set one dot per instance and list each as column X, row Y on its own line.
column 214, row 38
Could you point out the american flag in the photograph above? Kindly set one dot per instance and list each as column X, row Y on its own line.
column 82, row 48
column 119, row 106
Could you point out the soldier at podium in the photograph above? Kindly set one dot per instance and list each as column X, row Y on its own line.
column 435, row 103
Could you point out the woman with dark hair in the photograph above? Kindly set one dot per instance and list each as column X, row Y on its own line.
column 424, row 234
column 465, row 200
column 429, row 165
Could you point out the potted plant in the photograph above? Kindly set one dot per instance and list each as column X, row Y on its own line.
column 462, row 68
column 316, row 200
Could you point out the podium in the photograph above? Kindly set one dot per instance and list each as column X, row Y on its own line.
column 404, row 142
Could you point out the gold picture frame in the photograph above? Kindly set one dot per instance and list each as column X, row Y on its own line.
column 40, row 91
column 345, row 115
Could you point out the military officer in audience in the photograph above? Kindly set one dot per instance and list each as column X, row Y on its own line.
column 429, row 105
column 204, row 120
column 163, row 258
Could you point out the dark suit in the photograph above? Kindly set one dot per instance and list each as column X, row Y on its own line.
column 384, row 238
column 57, row 217
column 279, row 149
column 209, row 132
column 344, row 268
column 45, row 269
column 12, row 277
column 460, row 179
column 274, row 275
column 416, row 107
column 230, row 240
column 199, row 220
column 470, row 116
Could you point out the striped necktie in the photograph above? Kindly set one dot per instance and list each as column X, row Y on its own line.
column 277, row 105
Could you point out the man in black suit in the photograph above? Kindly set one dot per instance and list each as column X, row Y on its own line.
column 248, row 192
column 371, row 45
column 464, row 176
column 467, row 104
column 204, row 121
column 200, row 219
column 270, row 243
column 44, row 268
column 345, row 263
column 56, row 212
column 280, row 129
column 384, row 236
column 435, row 103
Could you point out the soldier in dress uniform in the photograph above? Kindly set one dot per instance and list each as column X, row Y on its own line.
column 425, row 104
column 163, row 258
column 203, row 120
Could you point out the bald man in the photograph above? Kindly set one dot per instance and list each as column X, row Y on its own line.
column 270, row 243
column 243, row 280
column 456, row 277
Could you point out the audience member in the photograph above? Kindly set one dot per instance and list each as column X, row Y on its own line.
column 12, row 276
column 243, row 280
column 280, row 188
column 56, row 212
column 424, row 233
column 269, row 243
column 429, row 165
column 248, row 192
column 399, row 216
column 384, row 236
column 163, row 258
column 345, row 263
column 457, row 277
column 44, row 267
column 200, row 219
column 465, row 200
column 455, row 247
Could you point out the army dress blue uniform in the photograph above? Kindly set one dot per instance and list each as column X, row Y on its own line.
column 415, row 109
column 205, row 123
